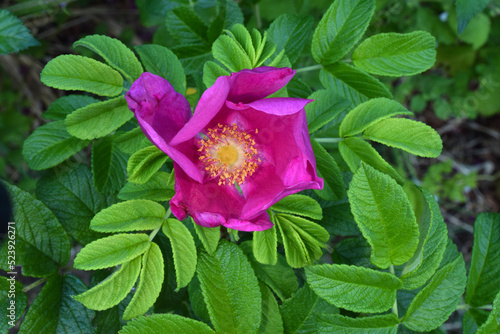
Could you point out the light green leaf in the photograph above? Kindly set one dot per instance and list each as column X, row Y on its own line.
column 14, row 35
column 299, row 312
column 303, row 239
column 279, row 277
column 271, row 317
column 231, row 54
column 143, row 164
column 299, row 205
column 70, row 72
column 65, row 105
column 340, row 29
column 370, row 113
column 49, row 145
column 492, row 324
column 186, row 26
column 161, row 61
column 150, row 282
column 352, row 83
column 467, row 9
column 41, row 243
column 165, row 324
column 290, row 33
column 230, row 290
column 98, row 119
column 209, row 237
column 108, row 166
column 378, row 324
column 211, row 71
column 69, row 194
column 334, row 188
column 484, row 272
column 183, row 249
column 395, row 55
column 134, row 215
column 354, row 288
column 115, row 53
column 157, row 188
column 477, row 31
column 384, row 216
column 438, row 299
column 326, row 106
column 411, row 136
column 265, row 244
column 432, row 244
column 111, row 251
column 113, row 289
column 55, row 311
column 13, row 301
column 355, row 150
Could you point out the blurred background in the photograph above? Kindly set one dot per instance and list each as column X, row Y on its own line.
column 459, row 96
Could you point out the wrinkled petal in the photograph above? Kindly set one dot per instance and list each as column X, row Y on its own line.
column 260, row 223
column 256, row 84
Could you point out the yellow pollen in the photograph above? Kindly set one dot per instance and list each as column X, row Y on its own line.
column 229, row 154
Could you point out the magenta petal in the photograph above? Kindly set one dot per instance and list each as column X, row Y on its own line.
column 256, row 84
column 280, row 106
column 260, row 223
column 208, row 219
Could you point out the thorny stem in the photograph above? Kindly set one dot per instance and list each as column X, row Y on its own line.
column 155, row 231
column 34, row 284
column 395, row 306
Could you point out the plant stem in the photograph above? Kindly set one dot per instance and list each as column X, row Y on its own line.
column 463, row 307
column 328, row 140
column 256, row 9
column 395, row 306
column 155, row 231
column 309, row 68
column 34, row 284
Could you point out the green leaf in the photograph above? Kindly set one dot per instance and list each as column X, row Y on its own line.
column 303, row 239
column 438, row 299
column 432, row 244
column 299, row 312
column 134, row 215
column 353, row 251
column 211, row 71
column 290, row 33
column 340, row 29
column 113, row 289
column 395, row 55
column 165, row 324
column 477, row 31
column 473, row 319
column 69, row 194
column 98, row 119
column 55, row 311
column 355, row 150
column 70, row 72
column 192, row 57
column 492, row 324
column 197, row 302
column 108, row 166
column 370, row 113
column 49, row 145
column 338, row 219
column 186, row 26
column 13, row 301
column 326, row 106
column 183, row 249
column 157, row 188
column 231, row 54
column 299, row 205
column 279, row 277
column 209, row 237
column 161, row 61
column 143, row 164
column 14, row 35
column 230, row 290
column 111, row 251
column 467, row 9
column 484, row 272
column 153, row 12
column 378, row 324
column 63, row 106
column 228, row 14
column 130, row 141
column 384, row 215
column 115, row 53
column 150, row 282
column 271, row 317
column 412, row 136
column 354, row 288
column 352, row 83
column 41, row 243
column 265, row 245
column 334, row 188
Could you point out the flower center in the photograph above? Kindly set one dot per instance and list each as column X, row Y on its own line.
column 228, row 153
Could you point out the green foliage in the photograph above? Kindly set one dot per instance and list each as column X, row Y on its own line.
column 143, row 164
column 14, row 36
column 209, row 237
column 264, row 246
column 8, row 296
column 492, row 324
column 271, row 318
column 334, row 188
column 381, row 324
column 63, row 106
column 326, row 106
column 466, row 10
column 167, row 324
column 108, row 166
column 157, row 188
column 299, row 205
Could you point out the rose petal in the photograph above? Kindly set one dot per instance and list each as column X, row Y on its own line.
column 260, row 223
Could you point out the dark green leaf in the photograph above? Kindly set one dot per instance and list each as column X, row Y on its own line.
column 63, row 106
column 329, row 170
column 13, row 301
column 108, row 166
column 467, row 9
column 290, row 33
column 378, row 324
column 166, row 324
column 186, row 26
column 326, row 106
column 14, row 35
column 271, row 317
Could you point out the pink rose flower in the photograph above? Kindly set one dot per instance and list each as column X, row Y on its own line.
column 238, row 154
